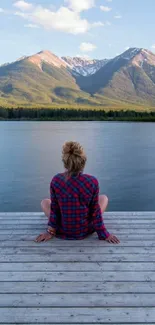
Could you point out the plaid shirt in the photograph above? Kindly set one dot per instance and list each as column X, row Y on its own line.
column 75, row 211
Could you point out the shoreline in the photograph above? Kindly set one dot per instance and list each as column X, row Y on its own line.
column 62, row 114
column 78, row 120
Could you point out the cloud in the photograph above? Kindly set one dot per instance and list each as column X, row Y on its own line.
column 98, row 24
column 1, row 10
column 117, row 16
column 20, row 14
column 64, row 19
column 153, row 47
column 105, row 8
column 87, row 47
column 80, row 5
column 31, row 26
column 109, row 0
column 22, row 5
column 108, row 23
column 84, row 56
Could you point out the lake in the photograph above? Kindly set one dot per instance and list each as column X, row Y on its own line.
column 121, row 155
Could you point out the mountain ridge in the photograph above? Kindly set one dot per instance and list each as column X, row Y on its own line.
column 47, row 79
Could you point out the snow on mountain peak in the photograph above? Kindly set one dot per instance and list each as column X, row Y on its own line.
column 137, row 56
column 129, row 54
column 143, row 56
column 84, row 66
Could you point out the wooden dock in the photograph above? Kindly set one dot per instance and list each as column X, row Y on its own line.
column 77, row 282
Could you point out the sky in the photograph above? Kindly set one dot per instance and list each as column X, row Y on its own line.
column 88, row 28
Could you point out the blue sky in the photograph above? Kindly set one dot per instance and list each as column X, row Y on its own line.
column 94, row 28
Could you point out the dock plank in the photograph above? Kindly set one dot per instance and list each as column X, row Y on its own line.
column 78, row 315
column 43, row 221
column 77, row 266
column 92, row 242
column 78, row 276
column 34, row 231
column 76, row 250
column 78, row 287
column 72, row 258
column 77, row 282
column 92, row 239
column 77, row 300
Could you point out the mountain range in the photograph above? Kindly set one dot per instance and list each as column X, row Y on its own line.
column 45, row 79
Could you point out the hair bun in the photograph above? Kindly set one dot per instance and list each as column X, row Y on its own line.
column 73, row 157
column 72, row 148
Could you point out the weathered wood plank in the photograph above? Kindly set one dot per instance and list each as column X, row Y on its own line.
column 77, row 300
column 89, row 242
column 123, row 230
column 77, row 315
column 47, row 257
column 93, row 239
column 34, row 231
column 43, row 225
column 77, row 287
column 110, row 219
column 109, row 213
column 21, row 214
column 78, row 276
column 77, row 267
column 83, row 274
column 76, row 250
column 109, row 222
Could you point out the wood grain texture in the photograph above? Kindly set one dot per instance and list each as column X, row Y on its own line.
column 88, row 243
column 38, row 249
column 72, row 258
column 78, row 315
column 78, row 287
column 78, row 267
column 77, row 300
column 77, row 282
column 78, row 276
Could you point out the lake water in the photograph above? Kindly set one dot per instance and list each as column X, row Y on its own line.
column 121, row 155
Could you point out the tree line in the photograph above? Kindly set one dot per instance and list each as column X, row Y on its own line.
column 62, row 114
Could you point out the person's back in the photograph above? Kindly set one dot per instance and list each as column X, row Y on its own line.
column 75, row 208
column 74, row 201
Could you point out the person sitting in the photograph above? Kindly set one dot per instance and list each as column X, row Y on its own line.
column 75, row 207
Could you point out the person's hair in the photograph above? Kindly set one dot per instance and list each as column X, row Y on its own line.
column 73, row 157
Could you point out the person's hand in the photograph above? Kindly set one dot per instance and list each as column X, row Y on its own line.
column 112, row 239
column 43, row 237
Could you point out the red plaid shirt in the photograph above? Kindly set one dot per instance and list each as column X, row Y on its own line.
column 75, row 211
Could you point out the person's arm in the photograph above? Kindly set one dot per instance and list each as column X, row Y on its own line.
column 96, row 215
column 52, row 223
